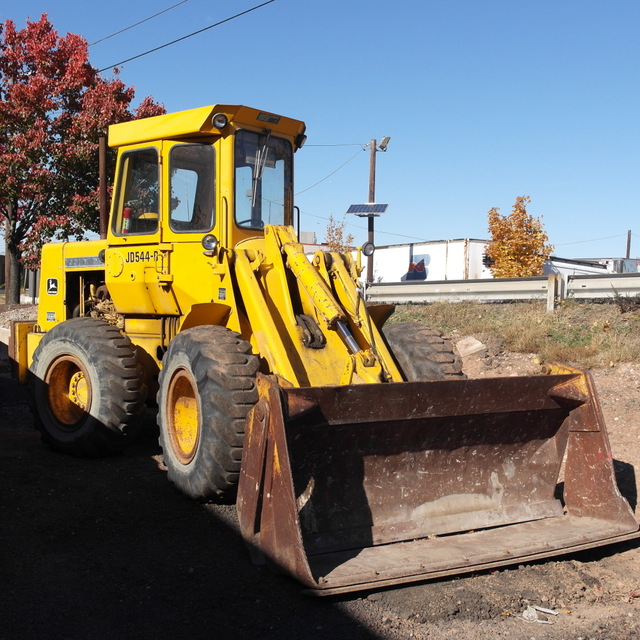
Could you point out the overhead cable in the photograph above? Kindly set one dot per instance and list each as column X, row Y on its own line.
column 344, row 144
column 334, row 171
column 357, row 226
column 168, row 44
column 135, row 24
column 564, row 244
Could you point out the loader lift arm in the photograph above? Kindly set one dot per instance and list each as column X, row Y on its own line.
column 279, row 286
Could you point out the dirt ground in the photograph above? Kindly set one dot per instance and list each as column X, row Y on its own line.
column 107, row 548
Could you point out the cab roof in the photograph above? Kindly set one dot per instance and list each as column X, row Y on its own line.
column 198, row 122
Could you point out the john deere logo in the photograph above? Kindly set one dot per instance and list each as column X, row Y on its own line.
column 52, row 286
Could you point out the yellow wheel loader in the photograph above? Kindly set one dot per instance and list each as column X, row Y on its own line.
column 359, row 456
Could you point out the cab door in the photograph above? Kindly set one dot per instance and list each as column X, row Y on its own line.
column 191, row 175
column 137, row 265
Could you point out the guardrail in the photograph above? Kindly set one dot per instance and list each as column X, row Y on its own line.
column 553, row 288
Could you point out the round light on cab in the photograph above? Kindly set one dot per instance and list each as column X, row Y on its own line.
column 210, row 242
column 219, row 121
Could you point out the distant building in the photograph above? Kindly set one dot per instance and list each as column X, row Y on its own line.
column 462, row 259
column 435, row 260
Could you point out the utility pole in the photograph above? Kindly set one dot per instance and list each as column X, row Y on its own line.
column 371, row 209
column 374, row 148
column 372, row 199
column 628, row 244
column 102, row 192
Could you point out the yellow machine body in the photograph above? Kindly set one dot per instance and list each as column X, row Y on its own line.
column 354, row 472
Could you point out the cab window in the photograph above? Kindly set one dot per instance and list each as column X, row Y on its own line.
column 192, row 187
column 138, row 197
column 264, row 180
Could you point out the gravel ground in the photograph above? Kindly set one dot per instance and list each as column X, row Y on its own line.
column 107, row 548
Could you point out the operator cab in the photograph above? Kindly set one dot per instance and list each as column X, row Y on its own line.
column 174, row 182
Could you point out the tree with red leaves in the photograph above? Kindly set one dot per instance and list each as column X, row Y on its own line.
column 54, row 106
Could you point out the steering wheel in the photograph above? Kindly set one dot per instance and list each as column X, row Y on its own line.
column 251, row 224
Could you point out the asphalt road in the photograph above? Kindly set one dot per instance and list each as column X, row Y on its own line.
column 93, row 549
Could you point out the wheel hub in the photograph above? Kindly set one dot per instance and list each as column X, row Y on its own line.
column 78, row 390
column 69, row 390
column 184, row 416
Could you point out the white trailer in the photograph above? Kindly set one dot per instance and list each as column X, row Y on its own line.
column 435, row 260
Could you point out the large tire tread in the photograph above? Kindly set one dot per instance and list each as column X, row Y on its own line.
column 115, row 375
column 422, row 353
column 224, row 368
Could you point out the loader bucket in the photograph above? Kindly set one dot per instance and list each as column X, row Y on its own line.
column 363, row 486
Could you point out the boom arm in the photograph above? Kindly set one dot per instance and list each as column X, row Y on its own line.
column 308, row 319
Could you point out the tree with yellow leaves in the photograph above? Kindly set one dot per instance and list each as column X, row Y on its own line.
column 518, row 247
column 335, row 237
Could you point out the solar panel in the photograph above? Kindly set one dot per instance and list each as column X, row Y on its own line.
column 369, row 209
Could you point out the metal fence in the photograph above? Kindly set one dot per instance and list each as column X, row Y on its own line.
column 552, row 288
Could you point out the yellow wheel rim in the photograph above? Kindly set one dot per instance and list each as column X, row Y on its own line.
column 183, row 416
column 69, row 390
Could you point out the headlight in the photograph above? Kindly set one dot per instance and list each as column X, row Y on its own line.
column 210, row 242
column 219, row 121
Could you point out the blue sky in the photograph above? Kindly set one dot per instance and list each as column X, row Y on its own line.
column 484, row 101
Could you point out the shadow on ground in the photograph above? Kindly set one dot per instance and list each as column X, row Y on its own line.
column 107, row 548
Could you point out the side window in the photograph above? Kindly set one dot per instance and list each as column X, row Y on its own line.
column 192, row 188
column 138, row 198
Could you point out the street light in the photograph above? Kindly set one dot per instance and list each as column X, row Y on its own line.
column 371, row 210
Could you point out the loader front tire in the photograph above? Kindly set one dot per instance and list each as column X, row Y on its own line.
column 207, row 387
column 422, row 353
column 86, row 387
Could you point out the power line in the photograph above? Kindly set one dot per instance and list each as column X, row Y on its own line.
column 346, row 144
column 564, row 244
column 135, row 24
column 168, row 44
column 399, row 235
column 334, row 171
column 356, row 226
column 363, row 148
column 390, row 233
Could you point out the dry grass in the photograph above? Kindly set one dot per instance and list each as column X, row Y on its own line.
column 581, row 334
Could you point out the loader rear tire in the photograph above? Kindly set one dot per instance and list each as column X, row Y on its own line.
column 86, row 387
column 207, row 387
column 422, row 353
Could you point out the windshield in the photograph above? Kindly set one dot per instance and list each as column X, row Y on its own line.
column 263, row 180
